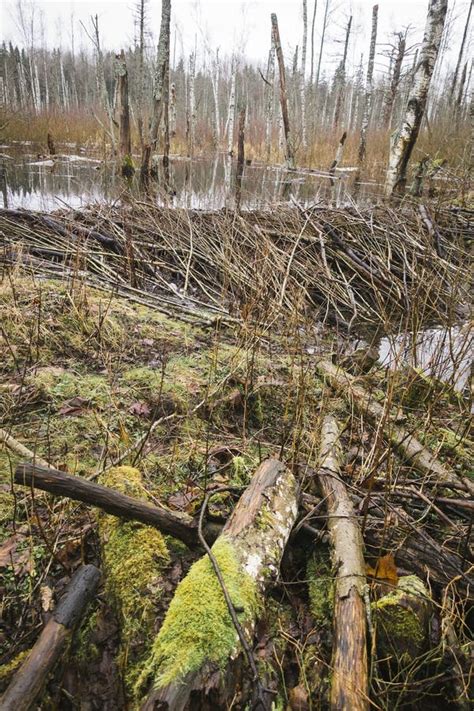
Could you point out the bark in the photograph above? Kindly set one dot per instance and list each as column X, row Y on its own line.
column 51, row 146
column 313, row 22
column 101, row 80
column 269, row 101
column 248, row 554
column 191, row 106
column 215, row 92
column 395, row 81
column 303, row 74
column 368, row 88
column 289, row 154
column 141, row 72
column 339, row 152
column 231, row 111
column 240, row 157
column 178, row 525
column 461, row 52
column 125, row 139
column 405, row 442
column 31, row 677
column 404, row 139
column 159, row 91
column 341, row 77
column 349, row 682
column 173, row 110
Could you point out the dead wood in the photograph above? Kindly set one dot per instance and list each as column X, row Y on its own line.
column 406, row 443
column 29, row 680
column 178, row 525
column 349, row 685
column 199, row 626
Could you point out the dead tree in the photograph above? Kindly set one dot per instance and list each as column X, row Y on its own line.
column 191, row 117
column 216, row 605
column 269, row 89
column 125, row 139
column 313, row 23
column 141, row 70
column 160, row 91
column 404, row 139
column 395, row 81
column 461, row 52
column 340, row 79
column 339, row 152
column 240, row 157
column 368, row 88
column 231, row 110
column 289, row 154
column 215, row 92
column 53, row 641
column 321, row 46
column 303, row 74
column 349, row 683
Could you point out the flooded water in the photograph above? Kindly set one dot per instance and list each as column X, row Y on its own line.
column 33, row 181
column 444, row 353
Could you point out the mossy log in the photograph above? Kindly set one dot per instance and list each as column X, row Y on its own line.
column 349, row 683
column 406, row 443
column 401, row 622
column 135, row 558
column 179, row 525
column 197, row 659
column 31, row 677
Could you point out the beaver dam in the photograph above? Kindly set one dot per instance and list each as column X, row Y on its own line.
column 229, row 476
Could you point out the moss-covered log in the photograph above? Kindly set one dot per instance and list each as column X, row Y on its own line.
column 349, row 683
column 134, row 559
column 406, row 443
column 197, row 657
column 31, row 677
column 401, row 622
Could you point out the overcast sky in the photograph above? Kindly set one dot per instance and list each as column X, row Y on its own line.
column 233, row 24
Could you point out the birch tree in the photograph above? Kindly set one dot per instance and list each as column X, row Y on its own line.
column 403, row 141
column 270, row 85
column 231, row 111
column 340, row 78
column 303, row 74
column 368, row 88
column 395, row 80
column 313, row 23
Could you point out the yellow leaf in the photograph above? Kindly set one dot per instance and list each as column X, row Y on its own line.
column 385, row 570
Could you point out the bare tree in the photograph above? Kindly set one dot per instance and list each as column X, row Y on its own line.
column 313, row 22
column 124, row 112
column 368, row 88
column 160, row 90
column 289, row 155
column 270, row 85
column 303, row 74
column 461, row 51
column 231, row 111
column 340, row 78
column 321, row 46
column 395, row 79
column 405, row 138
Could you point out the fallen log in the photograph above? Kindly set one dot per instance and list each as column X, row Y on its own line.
column 179, row 525
column 349, row 683
column 197, row 656
column 30, row 678
column 401, row 623
column 406, row 443
column 21, row 450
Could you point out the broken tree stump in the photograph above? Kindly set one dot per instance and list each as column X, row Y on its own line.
column 197, row 656
column 179, row 525
column 30, row 678
column 405, row 442
column 349, row 684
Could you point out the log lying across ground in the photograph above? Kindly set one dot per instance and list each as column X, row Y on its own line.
column 349, row 684
column 405, row 442
column 197, row 653
column 179, row 525
column 30, row 678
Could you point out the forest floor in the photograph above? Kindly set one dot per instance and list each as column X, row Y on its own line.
column 194, row 398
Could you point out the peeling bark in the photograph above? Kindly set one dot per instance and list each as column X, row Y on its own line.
column 403, row 141
column 349, row 685
column 249, row 553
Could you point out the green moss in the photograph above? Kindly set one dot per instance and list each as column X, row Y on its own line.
column 198, row 626
column 6, row 670
column 321, row 590
column 134, row 557
column 61, row 386
column 400, row 630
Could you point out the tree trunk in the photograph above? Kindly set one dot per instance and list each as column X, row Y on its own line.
column 240, row 157
column 159, row 91
column 341, row 78
column 192, row 106
column 349, row 681
column 404, row 139
column 124, row 114
column 313, row 22
column 395, row 81
column 197, row 657
column 461, row 52
column 215, row 91
column 31, row 677
column 339, row 152
column 231, row 111
column 321, row 46
column 289, row 155
column 303, row 74
column 368, row 89
column 269, row 102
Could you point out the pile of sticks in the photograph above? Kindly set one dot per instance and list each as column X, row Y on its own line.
column 351, row 265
